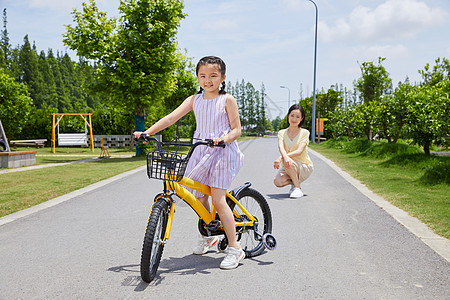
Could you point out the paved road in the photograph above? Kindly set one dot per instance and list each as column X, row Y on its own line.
column 334, row 243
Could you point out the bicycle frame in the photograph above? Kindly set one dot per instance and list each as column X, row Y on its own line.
column 179, row 189
column 170, row 166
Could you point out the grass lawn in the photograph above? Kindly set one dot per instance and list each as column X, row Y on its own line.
column 20, row 190
column 399, row 184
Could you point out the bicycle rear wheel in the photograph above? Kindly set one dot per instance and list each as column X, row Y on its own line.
column 153, row 240
column 251, row 238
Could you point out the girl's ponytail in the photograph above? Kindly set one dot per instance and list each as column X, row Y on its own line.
column 222, row 88
column 201, row 91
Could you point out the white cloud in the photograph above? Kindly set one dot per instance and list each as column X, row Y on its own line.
column 369, row 53
column 296, row 5
column 390, row 20
column 390, row 51
column 65, row 5
column 223, row 25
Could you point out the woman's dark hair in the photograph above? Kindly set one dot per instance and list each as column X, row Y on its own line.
column 301, row 109
column 213, row 60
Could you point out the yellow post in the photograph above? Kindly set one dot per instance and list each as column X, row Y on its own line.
column 90, row 132
column 53, row 144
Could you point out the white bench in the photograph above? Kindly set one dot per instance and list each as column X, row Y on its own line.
column 72, row 139
column 28, row 143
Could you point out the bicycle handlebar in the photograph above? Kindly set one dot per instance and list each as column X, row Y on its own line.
column 207, row 142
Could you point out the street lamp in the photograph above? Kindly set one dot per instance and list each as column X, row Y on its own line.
column 313, row 128
column 289, row 95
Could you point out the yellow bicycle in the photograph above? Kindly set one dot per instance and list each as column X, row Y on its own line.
column 251, row 211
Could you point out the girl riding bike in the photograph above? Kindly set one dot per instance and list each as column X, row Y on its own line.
column 217, row 118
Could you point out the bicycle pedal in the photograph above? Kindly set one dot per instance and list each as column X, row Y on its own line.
column 213, row 225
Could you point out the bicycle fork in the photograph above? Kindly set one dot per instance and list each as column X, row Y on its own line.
column 168, row 198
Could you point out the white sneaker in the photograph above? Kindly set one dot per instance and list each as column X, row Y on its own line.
column 292, row 189
column 233, row 258
column 297, row 193
column 204, row 244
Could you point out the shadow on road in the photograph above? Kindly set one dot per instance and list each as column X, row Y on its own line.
column 282, row 197
column 187, row 265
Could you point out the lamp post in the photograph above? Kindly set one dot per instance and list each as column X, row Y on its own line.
column 313, row 128
column 289, row 95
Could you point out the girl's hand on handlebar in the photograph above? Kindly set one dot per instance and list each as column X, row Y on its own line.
column 137, row 134
column 218, row 141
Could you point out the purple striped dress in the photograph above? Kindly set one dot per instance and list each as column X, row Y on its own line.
column 215, row 167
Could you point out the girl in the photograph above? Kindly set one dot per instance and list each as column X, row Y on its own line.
column 217, row 118
column 294, row 160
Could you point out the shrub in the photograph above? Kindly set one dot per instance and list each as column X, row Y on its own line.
column 439, row 173
column 386, row 150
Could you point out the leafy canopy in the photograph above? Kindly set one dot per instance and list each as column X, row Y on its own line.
column 135, row 55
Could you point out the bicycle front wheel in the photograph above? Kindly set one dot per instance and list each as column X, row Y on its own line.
column 251, row 238
column 154, row 240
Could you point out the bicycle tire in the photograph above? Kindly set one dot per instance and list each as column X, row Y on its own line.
column 257, row 205
column 153, row 246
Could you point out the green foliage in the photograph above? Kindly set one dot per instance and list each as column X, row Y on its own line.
column 39, row 120
column 251, row 106
column 428, row 111
column 275, row 123
column 357, row 146
column 15, row 104
column 419, row 113
column 439, row 72
column 135, row 55
column 435, row 169
column 374, row 82
column 386, row 150
column 436, row 174
column 186, row 85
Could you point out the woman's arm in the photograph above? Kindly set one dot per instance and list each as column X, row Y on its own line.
column 298, row 151
column 171, row 118
column 287, row 158
column 232, row 110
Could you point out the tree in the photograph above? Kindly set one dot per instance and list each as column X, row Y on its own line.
column 29, row 72
column 275, row 123
column 373, row 84
column 49, row 95
column 374, row 81
column 5, row 47
column 429, row 108
column 439, row 72
column 15, row 104
column 135, row 55
column 186, row 85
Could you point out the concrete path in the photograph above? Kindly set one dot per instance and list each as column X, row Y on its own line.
column 334, row 243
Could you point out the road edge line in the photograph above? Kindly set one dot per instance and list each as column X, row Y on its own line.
column 439, row 244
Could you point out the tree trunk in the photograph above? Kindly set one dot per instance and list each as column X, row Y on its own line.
column 139, row 124
column 399, row 129
column 426, row 147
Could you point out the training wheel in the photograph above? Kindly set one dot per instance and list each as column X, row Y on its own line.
column 269, row 241
column 222, row 244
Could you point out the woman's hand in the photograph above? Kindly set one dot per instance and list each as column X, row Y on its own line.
column 288, row 162
column 276, row 163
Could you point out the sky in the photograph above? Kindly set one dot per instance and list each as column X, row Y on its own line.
column 271, row 42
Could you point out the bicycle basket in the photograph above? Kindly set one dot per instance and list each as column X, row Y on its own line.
column 166, row 165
